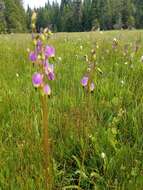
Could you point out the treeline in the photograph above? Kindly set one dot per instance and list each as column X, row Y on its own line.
column 73, row 15
column 86, row 15
column 12, row 16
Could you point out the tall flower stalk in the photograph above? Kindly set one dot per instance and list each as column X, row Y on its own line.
column 88, row 85
column 41, row 56
column 87, row 81
column 47, row 164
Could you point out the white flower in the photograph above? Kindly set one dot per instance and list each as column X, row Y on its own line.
column 103, row 155
column 142, row 58
column 17, row 75
column 28, row 50
column 122, row 82
column 81, row 47
column 59, row 58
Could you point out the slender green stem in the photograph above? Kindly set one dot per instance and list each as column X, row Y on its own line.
column 85, row 143
column 82, row 166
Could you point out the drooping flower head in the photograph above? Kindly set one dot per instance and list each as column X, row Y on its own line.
column 49, row 67
column 49, row 51
column 37, row 79
column 84, row 81
column 51, row 76
column 47, row 90
column 49, row 71
column 32, row 56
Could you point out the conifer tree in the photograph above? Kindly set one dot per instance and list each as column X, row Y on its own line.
column 2, row 17
column 15, row 16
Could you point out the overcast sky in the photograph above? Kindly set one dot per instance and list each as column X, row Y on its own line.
column 35, row 3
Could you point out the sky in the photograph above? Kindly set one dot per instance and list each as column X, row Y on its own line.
column 35, row 3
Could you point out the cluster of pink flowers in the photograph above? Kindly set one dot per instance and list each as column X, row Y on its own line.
column 41, row 56
column 87, row 80
column 84, row 83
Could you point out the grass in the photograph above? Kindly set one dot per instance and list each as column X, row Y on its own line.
column 112, row 117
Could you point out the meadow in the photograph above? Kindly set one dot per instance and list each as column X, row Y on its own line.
column 109, row 155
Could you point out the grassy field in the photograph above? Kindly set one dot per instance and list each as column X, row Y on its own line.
column 112, row 116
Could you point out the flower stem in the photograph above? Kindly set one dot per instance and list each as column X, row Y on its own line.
column 46, row 145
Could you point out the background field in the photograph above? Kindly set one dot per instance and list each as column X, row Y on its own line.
column 112, row 116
